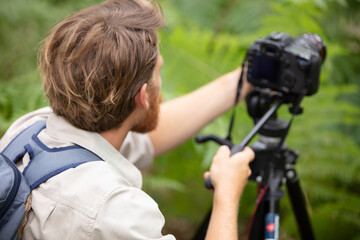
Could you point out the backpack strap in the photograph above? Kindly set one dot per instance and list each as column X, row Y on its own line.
column 15, row 149
column 45, row 162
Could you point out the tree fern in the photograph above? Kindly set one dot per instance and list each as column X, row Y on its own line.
column 202, row 40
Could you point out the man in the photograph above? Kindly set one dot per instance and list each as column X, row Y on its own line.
column 100, row 72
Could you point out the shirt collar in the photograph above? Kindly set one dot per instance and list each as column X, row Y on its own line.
column 57, row 127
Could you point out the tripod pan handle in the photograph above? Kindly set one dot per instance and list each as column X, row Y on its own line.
column 237, row 148
column 234, row 150
column 208, row 184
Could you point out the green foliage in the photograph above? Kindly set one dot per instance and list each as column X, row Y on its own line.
column 220, row 15
column 326, row 135
column 328, row 164
column 19, row 96
column 203, row 40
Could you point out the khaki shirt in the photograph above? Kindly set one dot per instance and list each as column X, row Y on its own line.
column 96, row 200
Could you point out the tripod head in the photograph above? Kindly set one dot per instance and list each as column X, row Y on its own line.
column 270, row 149
column 262, row 106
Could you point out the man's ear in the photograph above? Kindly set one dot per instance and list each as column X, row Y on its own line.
column 141, row 97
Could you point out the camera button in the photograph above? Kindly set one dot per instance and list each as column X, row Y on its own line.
column 303, row 64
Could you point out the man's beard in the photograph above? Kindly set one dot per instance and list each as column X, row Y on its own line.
column 150, row 121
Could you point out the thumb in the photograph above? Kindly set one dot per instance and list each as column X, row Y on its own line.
column 206, row 175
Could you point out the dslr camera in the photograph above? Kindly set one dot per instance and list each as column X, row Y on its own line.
column 287, row 65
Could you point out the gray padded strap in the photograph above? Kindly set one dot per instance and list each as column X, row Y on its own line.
column 45, row 162
column 16, row 149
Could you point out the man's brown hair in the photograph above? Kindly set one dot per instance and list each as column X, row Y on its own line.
column 94, row 62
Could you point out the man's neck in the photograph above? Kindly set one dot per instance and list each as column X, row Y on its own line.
column 115, row 136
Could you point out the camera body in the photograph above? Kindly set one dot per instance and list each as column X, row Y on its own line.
column 285, row 64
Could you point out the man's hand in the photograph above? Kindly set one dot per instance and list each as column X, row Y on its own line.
column 229, row 176
column 246, row 87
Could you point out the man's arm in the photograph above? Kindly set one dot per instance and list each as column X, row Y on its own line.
column 183, row 117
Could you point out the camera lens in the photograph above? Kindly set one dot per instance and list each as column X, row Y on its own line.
column 314, row 42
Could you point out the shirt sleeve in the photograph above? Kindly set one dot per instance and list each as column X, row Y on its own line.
column 129, row 213
column 138, row 149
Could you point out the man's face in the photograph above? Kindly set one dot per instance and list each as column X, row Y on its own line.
column 150, row 120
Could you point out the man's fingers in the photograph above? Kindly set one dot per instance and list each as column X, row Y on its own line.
column 223, row 151
column 249, row 172
column 245, row 69
column 247, row 154
column 248, row 151
column 206, row 175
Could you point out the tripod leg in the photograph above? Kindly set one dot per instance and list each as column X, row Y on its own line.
column 256, row 228
column 298, row 205
column 265, row 224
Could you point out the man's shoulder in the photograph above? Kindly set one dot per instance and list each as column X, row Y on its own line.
column 84, row 188
column 93, row 200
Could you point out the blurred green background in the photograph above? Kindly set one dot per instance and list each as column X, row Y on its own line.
column 202, row 41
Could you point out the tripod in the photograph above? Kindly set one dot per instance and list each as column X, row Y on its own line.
column 273, row 165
